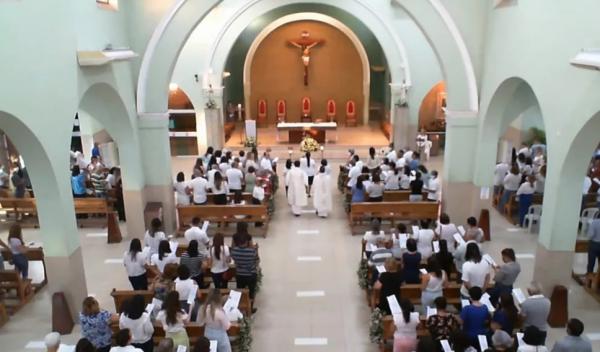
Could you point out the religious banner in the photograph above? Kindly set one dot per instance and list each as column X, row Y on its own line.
column 251, row 130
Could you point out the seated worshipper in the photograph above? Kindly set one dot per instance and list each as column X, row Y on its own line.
column 219, row 261
column 135, row 265
column 416, row 188
column 297, row 182
column 424, row 242
column 373, row 161
column 474, row 231
column 371, row 237
column 246, row 259
column 95, row 324
column 84, row 345
column 432, row 283
column 411, row 262
column 434, row 188
column 154, row 235
column 220, row 189
column 123, row 339
column 535, row 310
column 77, row 183
column 405, row 336
column 444, row 257
column 322, row 193
column 195, row 232
column 215, row 321
column 499, row 173
column 392, row 180
column 506, row 317
column 442, row 324
column 502, row 341
column 18, row 250
column 235, row 178
column 573, row 342
column 461, row 342
column 445, row 230
column 475, row 271
column 510, row 184
column 533, row 340
column 135, row 318
column 388, row 284
column 505, row 275
column 164, row 283
column 397, row 249
column 173, row 319
column 475, row 317
column 185, row 286
column 194, row 261
column 198, row 187
column 163, row 257
column 52, row 342
column 378, row 257
column 392, row 156
column 375, row 189
column 461, row 252
column 358, row 191
column 525, row 198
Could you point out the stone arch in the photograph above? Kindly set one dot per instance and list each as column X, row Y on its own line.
column 513, row 97
column 431, row 16
column 312, row 17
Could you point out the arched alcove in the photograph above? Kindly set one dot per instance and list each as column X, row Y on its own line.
column 182, row 123
column 431, row 112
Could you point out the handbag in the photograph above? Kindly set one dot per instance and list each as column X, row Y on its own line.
column 228, row 275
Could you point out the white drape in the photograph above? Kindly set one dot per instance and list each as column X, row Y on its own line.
column 322, row 194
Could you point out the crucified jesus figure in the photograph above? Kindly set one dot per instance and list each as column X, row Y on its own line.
column 305, row 44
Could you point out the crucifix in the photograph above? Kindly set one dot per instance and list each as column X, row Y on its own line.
column 305, row 44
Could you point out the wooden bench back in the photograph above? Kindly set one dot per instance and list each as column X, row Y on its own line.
column 91, row 205
column 398, row 196
column 221, row 213
column 18, row 204
column 247, row 197
column 32, row 254
column 396, row 210
column 10, row 276
column 121, row 296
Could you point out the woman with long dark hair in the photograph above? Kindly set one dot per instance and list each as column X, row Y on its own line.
column 308, row 166
column 405, row 336
column 135, row 265
column 135, row 318
column 475, row 271
column 154, row 235
column 198, row 170
column 220, row 189
column 219, row 261
column 163, row 257
column 173, row 320
column 182, row 197
column 506, row 317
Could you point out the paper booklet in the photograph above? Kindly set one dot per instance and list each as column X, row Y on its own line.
column 464, row 302
column 213, row 345
column 233, row 301
column 431, row 311
column 181, row 348
column 205, row 226
column 436, row 246
column 394, row 305
column 489, row 259
column 423, row 271
column 483, row 342
column 402, row 239
column 458, row 238
column 380, row 268
column 519, row 295
column 485, row 299
column 446, row 345
column 192, row 296
column 415, row 230
column 461, row 229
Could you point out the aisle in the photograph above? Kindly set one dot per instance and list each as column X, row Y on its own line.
column 310, row 293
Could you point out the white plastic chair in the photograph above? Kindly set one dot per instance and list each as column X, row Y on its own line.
column 427, row 149
column 534, row 214
column 586, row 215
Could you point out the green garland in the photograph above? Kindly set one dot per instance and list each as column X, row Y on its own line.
column 376, row 326
column 244, row 341
column 259, row 278
column 362, row 273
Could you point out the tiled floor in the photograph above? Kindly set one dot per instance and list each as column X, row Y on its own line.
column 334, row 319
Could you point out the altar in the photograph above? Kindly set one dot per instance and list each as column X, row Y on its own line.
column 297, row 130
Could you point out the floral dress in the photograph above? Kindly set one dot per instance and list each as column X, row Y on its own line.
column 96, row 328
column 440, row 327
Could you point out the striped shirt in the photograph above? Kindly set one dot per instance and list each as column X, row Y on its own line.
column 99, row 183
column 246, row 259
column 192, row 263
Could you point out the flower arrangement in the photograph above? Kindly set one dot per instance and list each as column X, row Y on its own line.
column 250, row 142
column 362, row 273
column 376, row 326
column 244, row 341
column 309, row 144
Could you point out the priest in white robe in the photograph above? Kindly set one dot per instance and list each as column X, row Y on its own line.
column 322, row 193
column 297, row 182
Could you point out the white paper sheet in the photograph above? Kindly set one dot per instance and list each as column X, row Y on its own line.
column 402, row 239
column 461, row 230
column 485, row 299
column 431, row 311
column 520, row 339
column 173, row 245
column 66, row 348
column 233, row 301
column 149, row 308
column 371, row 247
column 181, row 348
column 423, row 271
column 380, row 268
column 394, row 305
column 483, row 342
column 446, row 345
column 156, row 304
column 518, row 295
column 205, row 226
column 213, row 345
column 489, row 259
column 464, row 302
column 436, row 246
column 415, row 230
column 192, row 296
column 458, row 238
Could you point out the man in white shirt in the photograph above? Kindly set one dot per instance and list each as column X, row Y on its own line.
column 392, row 156
column 408, row 156
column 434, row 190
column 265, row 162
column 355, row 171
column 199, row 187
column 235, row 176
column 196, row 233
column 499, row 174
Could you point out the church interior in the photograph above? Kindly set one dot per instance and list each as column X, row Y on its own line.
column 291, row 175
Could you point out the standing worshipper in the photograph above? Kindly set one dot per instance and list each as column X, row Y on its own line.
column 322, row 193
column 307, row 165
column 297, row 182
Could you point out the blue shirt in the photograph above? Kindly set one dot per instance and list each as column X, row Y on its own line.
column 501, row 318
column 78, row 184
column 95, row 152
column 96, row 328
column 414, row 164
column 594, row 231
column 358, row 195
column 474, row 320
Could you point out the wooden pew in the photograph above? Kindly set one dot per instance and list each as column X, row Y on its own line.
column 393, row 211
column 11, row 280
column 194, row 331
column 32, row 254
column 223, row 214
column 92, row 206
column 247, row 197
column 581, row 246
column 19, row 207
column 398, row 196
column 121, row 296
column 512, row 206
column 412, row 292
column 3, row 314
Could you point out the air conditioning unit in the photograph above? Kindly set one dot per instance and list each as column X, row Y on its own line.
column 588, row 58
